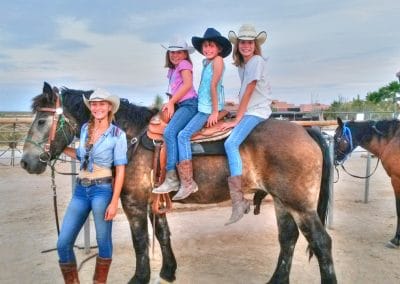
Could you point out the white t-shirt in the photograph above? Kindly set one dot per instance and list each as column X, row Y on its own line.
column 260, row 100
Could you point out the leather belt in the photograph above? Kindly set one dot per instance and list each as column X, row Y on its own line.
column 86, row 182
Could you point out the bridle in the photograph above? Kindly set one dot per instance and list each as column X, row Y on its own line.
column 347, row 139
column 57, row 117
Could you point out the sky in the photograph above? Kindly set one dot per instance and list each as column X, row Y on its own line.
column 318, row 51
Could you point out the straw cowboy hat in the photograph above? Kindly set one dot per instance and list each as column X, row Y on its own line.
column 177, row 44
column 247, row 32
column 215, row 36
column 102, row 95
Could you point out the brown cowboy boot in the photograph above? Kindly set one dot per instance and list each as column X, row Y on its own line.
column 70, row 273
column 101, row 271
column 171, row 183
column 240, row 205
column 188, row 185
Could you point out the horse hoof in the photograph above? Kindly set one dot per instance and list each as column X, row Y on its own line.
column 160, row 280
column 391, row 245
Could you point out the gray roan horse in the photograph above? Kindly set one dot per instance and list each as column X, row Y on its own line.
column 381, row 138
column 280, row 158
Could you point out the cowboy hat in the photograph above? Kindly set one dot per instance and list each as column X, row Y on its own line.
column 215, row 36
column 102, row 95
column 247, row 32
column 177, row 44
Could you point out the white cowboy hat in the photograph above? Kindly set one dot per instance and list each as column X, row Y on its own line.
column 102, row 95
column 177, row 44
column 247, row 32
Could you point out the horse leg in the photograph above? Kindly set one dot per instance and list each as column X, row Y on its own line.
column 137, row 217
column 163, row 234
column 257, row 199
column 320, row 244
column 395, row 242
column 288, row 234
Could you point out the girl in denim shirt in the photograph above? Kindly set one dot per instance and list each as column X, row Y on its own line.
column 184, row 97
column 102, row 146
column 211, row 100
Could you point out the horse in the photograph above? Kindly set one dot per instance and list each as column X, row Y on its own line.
column 280, row 158
column 381, row 138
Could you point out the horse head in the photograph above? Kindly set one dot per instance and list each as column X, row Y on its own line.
column 50, row 132
column 343, row 142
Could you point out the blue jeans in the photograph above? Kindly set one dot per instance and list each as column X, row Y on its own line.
column 237, row 136
column 94, row 198
column 186, row 110
column 194, row 125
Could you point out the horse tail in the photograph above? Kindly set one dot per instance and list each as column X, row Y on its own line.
column 324, row 194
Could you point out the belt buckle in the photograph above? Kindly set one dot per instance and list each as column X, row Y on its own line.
column 85, row 182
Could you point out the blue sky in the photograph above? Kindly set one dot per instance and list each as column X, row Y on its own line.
column 317, row 51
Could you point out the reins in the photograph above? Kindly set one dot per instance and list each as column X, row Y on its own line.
column 361, row 177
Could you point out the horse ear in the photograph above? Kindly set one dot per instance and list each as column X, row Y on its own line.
column 47, row 88
column 340, row 122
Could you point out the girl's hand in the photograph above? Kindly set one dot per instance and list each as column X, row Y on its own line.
column 228, row 125
column 212, row 119
column 169, row 108
column 111, row 212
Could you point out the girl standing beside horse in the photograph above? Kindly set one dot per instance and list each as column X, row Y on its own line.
column 102, row 146
column 254, row 107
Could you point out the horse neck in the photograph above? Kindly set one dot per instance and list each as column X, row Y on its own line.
column 372, row 138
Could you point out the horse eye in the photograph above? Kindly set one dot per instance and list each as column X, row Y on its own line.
column 41, row 122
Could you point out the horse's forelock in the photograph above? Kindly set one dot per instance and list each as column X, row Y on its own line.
column 43, row 100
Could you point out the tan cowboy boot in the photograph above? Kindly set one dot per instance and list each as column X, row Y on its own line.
column 101, row 271
column 70, row 273
column 188, row 185
column 240, row 205
column 171, row 183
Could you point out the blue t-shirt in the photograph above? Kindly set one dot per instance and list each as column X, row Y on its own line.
column 110, row 149
column 204, row 92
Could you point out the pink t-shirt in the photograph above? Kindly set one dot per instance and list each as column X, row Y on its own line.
column 176, row 80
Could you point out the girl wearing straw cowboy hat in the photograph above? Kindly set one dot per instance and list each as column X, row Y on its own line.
column 254, row 107
column 214, row 47
column 102, row 146
column 184, row 97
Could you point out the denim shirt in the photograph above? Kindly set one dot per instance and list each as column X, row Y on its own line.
column 109, row 150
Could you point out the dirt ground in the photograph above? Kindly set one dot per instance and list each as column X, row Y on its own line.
column 206, row 250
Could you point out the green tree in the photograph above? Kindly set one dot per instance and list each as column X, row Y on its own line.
column 158, row 102
column 386, row 93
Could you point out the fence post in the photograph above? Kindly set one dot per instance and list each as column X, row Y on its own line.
column 86, row 226
column 367, row 173
column 332, row 172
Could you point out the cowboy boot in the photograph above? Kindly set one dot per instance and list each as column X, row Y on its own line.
column 101, row 271
column 70, row 273
column 240, row 205
column 171, row 183
column 188, row 185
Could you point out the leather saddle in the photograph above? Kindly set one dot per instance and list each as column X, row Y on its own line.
column 206, row 134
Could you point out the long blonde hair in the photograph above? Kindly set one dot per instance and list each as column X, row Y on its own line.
column 238, row 59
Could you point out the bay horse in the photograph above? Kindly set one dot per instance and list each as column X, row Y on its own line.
column 381, row 138
column 280, row 158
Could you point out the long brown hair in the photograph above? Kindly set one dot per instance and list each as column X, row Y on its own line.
column 110, row 118
column 168, row 62
column 238, row 59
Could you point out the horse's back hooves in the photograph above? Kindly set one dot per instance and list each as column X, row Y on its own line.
column 390, row 244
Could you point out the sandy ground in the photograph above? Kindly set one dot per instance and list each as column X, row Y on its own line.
column 206, row 250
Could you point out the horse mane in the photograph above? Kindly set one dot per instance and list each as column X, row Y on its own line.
column 380, row 129
column 128, row 116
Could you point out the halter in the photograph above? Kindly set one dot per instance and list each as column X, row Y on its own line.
column 347, row 137
column 58, row 116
